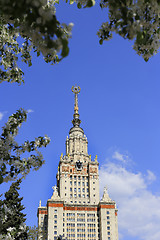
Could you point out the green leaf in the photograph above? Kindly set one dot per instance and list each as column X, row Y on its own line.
column 90, row 3
column 101, row 41
column 1, row 179
column 71, row 1
column 79, row 5
column 65, row 49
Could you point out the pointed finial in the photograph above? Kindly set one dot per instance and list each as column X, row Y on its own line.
column 40, row 203
column 96, row 158
column 76, row 121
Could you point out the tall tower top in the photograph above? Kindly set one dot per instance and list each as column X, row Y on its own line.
column 76, row 121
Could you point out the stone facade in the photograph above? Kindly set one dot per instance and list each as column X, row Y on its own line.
column 74, row 211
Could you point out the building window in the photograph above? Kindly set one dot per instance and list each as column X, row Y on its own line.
column 93, row 182
column 107, row 212
column 108, row 233
column 55, row 216
column 79, row 189
column 71, row 177
column 94, row 195
column 65, row 188
column 70, row 170
column 75, row 195
column 55, row 221
column 83, row 177
column 65, row 194
column 55, row 210
column 87, row 190
column 107, row 217
column 55, row 227
column 71, row 182
column 75, row 177
column 75, row 190
column 93, row 188
column 83, row 190
column 75, row 183
column 87, row 183
column 79, row 195
column 108, row 222
column 55, row 232
column 108, row 228
column 109, row 238
column 70, row 189
column 70, row 195
column 79, row 177
column 79, row 183
column 83, row 183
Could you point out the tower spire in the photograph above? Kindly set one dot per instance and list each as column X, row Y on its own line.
column 76, row 121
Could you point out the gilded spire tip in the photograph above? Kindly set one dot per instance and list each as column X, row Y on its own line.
column 76, row 121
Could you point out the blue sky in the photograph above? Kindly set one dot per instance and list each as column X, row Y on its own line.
column 119, row 108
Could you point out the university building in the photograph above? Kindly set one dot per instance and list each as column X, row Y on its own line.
column 75, row 211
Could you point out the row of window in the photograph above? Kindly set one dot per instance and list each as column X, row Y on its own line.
column 70, row 229
column 70, row 224
column 79, row 177
column 78, row 195
column 79, row 183
column 81, row 202
column 81, row 225
column 79, row 189
column 91, row 215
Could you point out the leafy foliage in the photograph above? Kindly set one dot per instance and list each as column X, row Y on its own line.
column 32, row 233
column 36, row 23
column 12, row 219
column 134, row 19
column 11, row 162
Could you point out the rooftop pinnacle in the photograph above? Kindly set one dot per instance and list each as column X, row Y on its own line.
column 76, row 121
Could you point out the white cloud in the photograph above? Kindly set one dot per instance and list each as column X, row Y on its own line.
column 120, row 157
column 30, row 111
column 2, row 114
column 151, row 177
column 139, row 211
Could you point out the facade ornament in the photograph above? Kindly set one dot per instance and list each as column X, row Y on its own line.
column 89, row 157
column 55, row 193
column 96, row 158
column 61, row 157
column 106, row 197
column 40, row 203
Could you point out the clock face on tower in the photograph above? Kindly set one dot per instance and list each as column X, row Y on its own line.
column 79, row 165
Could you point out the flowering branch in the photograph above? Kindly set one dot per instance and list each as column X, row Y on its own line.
column 11, row 162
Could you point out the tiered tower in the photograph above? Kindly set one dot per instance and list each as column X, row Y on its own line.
column 74, row 211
